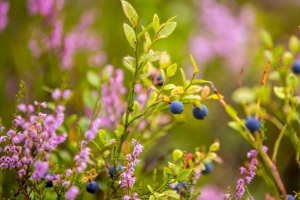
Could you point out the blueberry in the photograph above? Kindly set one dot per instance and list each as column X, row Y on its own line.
column 180, row 186
column 208, row 168
column 158, row 79
column 112, row 170
column 252, row 124
column 296, row 67
column 176, row 107
column 200, row 113
column 48, row 182
column 92, row 187
column 290, row 197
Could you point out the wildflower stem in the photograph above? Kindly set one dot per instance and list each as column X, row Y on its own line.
column 272, row 168
column 277, row 143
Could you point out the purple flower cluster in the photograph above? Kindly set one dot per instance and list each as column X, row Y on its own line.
column 65, row 45
column 112, row 94
column 72, row 193
column 127, row 177
column 248, row 174
column 31, row 139
column 222, row 34
column 4, row 6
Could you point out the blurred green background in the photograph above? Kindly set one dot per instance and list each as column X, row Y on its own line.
column 280, row 18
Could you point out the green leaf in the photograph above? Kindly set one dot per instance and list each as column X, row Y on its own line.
column 130, row 61
column 171, row 19
column 93, row 78
column 166, row 30
column 177, row 154
column 215, row 96
column 148, row 42
column 183, row 78
column 71, row 119
column 102, row 136
column 243, row 95
column 130, row 12
column 274, row 75
column 211, row 156
column 177, row 90
column 200, row 81
column 214, row 147
column 130, row 35
column 269, row 56
column 65, row 156
column 163, row 74
column 166, row 173
column 230, row 111
column 156, row 23
column 294, row 44
column 150, row 189
column 145, row 30
column 156, row 56
column 184, row 174
column 279, row 92
column 267, row 39
column 171, row 193
column 169, row 87
column 152, row 87
column 136, row 108
column 194, row 89
column 235, row 126
column 144, row 75
column 119, row 130
column 152, row 197
column 191, row 97
column 287, row 58
column 292, row 80
column 171, row 70
column 194, row 64
column 164, row 61
column 89, row 99
column 110, row 142
column 146, row 56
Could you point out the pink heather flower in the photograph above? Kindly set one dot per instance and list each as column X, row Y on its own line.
column 210, row 192
column 243, row 170
column 56, row 94
column 91, row 133
column 22, row 107
column 72, row 193
column 2, row 128
column 68, row 172
column 21, row 173
column 127, row 177
column 40, row 169
column 222, row 34
column 66, row 184
column 66, row 94
column 126, row 197
column 4, row 7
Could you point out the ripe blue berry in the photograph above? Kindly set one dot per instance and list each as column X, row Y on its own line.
column 180, row 186
column 48, row 182
column 290, row 197
column 112, row 170
column 208, row 168
column 157, row 79
column 92, row 187
column 252, row 124
column 176, row 107
column 200, row 113
column 296, row 67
